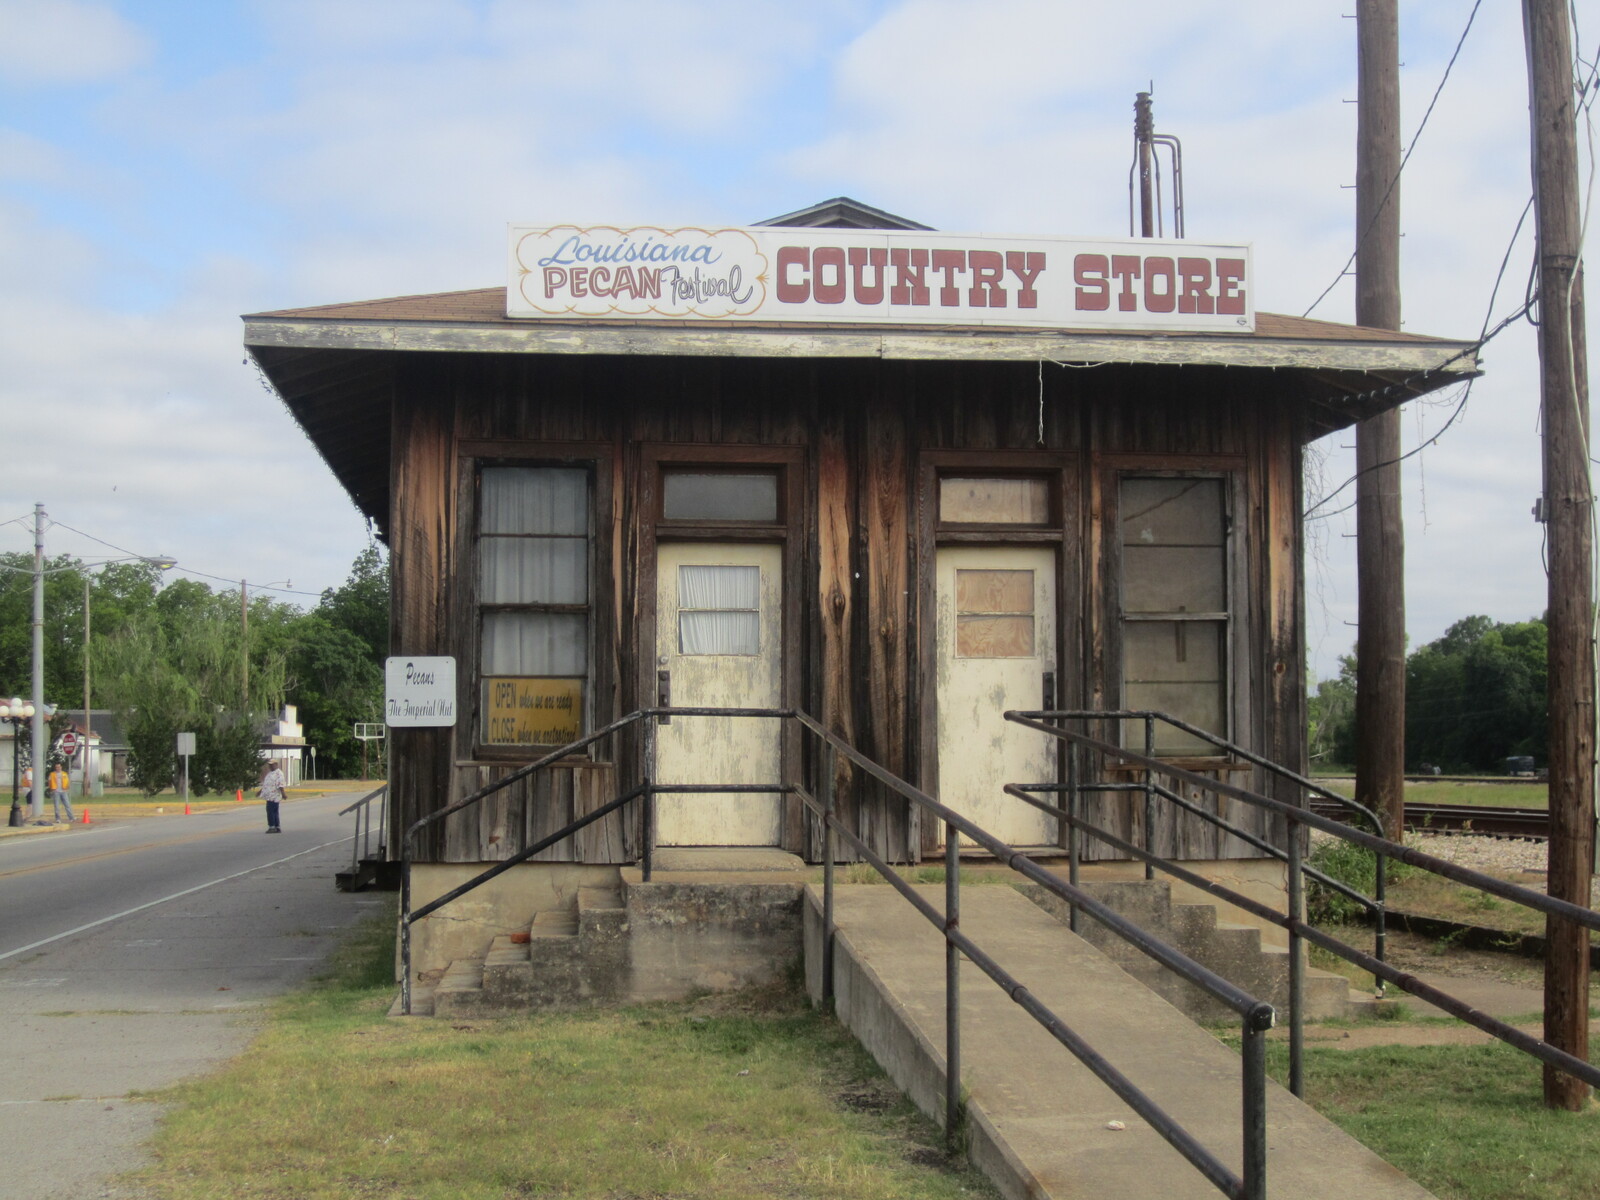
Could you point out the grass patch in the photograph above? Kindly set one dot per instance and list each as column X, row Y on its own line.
column 1466, row 1122
column 754, row 1095
column 1520, row 794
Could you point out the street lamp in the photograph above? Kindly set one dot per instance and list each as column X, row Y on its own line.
column 14, row 712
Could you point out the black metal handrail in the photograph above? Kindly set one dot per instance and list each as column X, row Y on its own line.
column 1376, row 905
column 1256, row 1016
column 1298, row 929
column 361, row 843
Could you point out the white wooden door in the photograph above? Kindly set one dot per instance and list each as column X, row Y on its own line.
column 996, row 640
column 718, row 635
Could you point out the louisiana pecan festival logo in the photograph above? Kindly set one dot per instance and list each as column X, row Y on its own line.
column 602, row 270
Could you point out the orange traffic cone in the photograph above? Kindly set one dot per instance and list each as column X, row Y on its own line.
column 238, row 795
column 86, row 816
column 186, row 808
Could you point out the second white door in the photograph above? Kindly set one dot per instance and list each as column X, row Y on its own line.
column 718, row 636
column 996, row 642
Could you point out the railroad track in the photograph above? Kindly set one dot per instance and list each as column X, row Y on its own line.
column 1486, row 819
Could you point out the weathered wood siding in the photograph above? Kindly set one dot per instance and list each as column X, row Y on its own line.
column 859, row 555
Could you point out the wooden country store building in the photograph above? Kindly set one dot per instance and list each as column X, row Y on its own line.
column 842, row 463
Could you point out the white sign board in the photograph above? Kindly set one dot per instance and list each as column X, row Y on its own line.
column 896, row 277
column 185, row 743
column 419, row 692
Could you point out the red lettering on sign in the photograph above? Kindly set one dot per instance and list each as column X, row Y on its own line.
column 910, row 282
column 1094, row 291
column 1230, row 274
column 1161, row 299
column 789, row 291
column 554, row 279
column 950, row 262
column 1126, row 267
column 988, row 267
column 862, row 257
column 1026, row 267
column 824, row 290
column 1194, row 275
column 580, row 280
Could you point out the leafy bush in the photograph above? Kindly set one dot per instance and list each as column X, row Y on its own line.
column 1354, row 866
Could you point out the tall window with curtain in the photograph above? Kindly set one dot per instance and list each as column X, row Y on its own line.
column 535, row 533
column 1175, row 604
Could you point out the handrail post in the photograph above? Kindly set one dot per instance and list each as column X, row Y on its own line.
column 1149, row 795
column 1297, row 964
column 825, row 781
column 1253, row 1049
column 1380, row 918
column 405, row 925
column 1075, row 835
column 952, row 987
column 647, row 853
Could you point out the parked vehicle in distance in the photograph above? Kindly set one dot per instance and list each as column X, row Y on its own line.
column 1520, row 765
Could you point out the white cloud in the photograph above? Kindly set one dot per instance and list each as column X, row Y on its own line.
column 66, row 42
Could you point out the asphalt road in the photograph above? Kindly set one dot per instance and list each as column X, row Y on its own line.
column 140, row 952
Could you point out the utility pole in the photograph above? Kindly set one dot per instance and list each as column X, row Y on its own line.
column 244, row 652
column 1380, row 527
column 40, row 741
column 1568, row 509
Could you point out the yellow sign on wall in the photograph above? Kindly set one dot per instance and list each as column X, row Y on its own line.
column 532, row 712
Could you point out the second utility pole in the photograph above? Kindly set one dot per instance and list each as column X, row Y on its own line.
column 1380, row 528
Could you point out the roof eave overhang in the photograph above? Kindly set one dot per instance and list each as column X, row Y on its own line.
column 1450, row 360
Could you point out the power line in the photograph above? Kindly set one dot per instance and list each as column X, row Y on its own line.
column 1484, row 338
column 1395, row 182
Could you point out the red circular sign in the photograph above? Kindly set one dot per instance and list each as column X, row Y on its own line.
column 69, row 742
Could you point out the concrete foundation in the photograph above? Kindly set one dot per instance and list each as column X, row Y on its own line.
column 503, row 906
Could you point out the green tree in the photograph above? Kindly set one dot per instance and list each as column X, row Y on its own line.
column 1476, row 695
column 335, row 656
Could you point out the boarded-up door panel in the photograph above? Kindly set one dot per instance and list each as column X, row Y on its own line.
column 996, row 639
column 718, row 634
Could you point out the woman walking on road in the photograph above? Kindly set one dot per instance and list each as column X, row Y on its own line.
column 272, row 784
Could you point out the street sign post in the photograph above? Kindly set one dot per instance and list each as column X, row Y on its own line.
column 186, row 748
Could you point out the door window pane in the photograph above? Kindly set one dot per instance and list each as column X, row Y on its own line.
column 994, row 614
column 720, row 496
column 982, row 501
column 719, row 609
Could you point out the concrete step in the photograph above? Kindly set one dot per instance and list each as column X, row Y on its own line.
column 1041, row 1124
column 710, row 919
column 460, row 992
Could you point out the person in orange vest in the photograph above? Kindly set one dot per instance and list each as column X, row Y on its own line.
column 60, row 787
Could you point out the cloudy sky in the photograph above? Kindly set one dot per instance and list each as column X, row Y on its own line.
column 167, row 165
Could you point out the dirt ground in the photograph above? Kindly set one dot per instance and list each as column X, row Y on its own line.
column 1506, row 986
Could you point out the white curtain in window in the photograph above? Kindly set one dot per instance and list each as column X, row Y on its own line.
column 548, row 500
column 719, row 610
column 536, row 570
column 535, row 644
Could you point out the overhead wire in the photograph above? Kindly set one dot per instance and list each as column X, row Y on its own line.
column 1395, row 182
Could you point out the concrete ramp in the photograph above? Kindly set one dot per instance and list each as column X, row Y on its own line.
column 1041, row 1124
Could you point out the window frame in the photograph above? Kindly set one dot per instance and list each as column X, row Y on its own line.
column 1231, row 618
column 597, row 680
